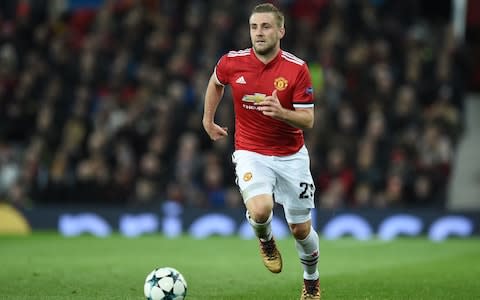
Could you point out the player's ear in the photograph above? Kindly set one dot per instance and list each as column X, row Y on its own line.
column 282, row 32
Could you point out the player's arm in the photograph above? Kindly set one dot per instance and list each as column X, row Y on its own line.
column 301, row 118
column 213, row 95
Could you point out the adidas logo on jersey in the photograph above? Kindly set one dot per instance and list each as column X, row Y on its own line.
column 241, row 80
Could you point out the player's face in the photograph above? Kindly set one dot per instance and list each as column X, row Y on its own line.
column 265, row 33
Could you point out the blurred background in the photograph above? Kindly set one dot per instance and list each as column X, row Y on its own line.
column 101, row 105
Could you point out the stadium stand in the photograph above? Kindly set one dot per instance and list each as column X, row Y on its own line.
column 101, row 101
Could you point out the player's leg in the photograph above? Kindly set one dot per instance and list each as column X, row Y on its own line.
column 256, row 181
column 259, row 214
column 307, row 245
column 295, row 191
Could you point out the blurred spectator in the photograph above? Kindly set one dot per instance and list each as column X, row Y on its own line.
column 367, row 171
column 423, row 195
column 335, row 182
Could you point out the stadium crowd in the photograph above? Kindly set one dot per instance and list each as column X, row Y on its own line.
column 103, row 104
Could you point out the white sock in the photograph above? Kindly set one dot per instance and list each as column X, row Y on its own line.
column 262, row 230
column 308, row 252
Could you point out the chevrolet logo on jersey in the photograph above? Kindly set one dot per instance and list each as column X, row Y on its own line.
column 255, row 98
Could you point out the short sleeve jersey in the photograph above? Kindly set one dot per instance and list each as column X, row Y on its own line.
column 250, row 81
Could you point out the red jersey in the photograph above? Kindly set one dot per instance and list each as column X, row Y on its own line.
column 251, row 80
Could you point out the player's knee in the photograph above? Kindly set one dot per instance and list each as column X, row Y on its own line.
column 300, row 231
column 259, row 208
column 260, row 215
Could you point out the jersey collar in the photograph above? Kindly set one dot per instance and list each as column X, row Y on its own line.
column 273, row 61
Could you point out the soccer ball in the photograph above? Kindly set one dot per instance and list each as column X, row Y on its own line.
column 165, row 284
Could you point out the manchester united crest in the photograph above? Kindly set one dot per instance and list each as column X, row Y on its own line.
column 247, row 176
column 280, row 83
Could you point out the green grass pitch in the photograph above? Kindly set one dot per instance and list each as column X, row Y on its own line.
column 47, row 266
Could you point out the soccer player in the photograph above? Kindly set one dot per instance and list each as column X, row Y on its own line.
column 273, row 102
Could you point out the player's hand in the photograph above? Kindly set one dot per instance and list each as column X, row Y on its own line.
column 270, row 106
column 215, row 131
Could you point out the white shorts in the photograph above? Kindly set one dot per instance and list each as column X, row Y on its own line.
column 287, row 178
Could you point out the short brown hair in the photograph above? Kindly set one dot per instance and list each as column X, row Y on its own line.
column 270, row 8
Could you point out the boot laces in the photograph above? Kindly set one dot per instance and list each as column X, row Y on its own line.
column 269, row 248
column 311, row 287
